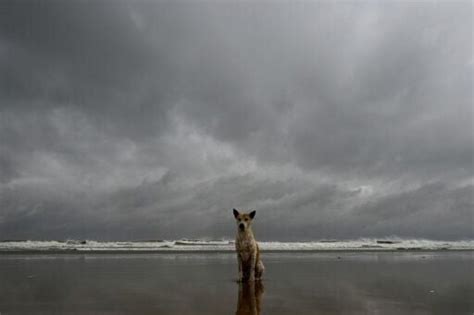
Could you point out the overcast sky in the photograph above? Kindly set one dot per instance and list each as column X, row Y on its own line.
column 151, row 120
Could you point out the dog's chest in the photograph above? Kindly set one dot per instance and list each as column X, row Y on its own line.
column 245, row 247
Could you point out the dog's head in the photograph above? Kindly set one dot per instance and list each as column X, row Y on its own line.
column 243, row 220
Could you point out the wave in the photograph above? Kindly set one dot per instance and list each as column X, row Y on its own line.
column 227, row 245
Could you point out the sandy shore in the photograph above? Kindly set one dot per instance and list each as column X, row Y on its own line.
column 204, row 283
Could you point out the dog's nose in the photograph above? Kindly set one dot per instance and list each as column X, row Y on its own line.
column 241, row 226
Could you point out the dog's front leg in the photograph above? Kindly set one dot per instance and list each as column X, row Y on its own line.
column 253, row 261
column 239, row 259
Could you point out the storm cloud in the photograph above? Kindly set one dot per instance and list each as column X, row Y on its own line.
column 133, row 120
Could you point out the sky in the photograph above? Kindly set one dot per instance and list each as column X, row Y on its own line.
column 153, row 120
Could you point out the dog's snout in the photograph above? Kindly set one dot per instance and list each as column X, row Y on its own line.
column 241, row 226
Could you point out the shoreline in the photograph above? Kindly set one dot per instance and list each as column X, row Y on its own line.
column 184, row 251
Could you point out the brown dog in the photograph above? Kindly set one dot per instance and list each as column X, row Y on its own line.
column 248, row 254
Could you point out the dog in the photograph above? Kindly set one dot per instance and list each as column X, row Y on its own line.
column 248, row 254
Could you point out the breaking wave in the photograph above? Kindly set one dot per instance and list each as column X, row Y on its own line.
column 227, row 245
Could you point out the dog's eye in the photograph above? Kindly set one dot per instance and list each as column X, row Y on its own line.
column 246, row 219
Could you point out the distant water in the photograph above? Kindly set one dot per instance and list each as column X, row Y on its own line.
column 198, row 283
column 184, row 245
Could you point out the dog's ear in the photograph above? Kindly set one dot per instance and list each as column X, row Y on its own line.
column 236, row 213
column 252, row 214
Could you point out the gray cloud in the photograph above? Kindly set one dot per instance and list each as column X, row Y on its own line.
column 144, row 120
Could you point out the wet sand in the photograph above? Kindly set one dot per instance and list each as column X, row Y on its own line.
column 204, row 283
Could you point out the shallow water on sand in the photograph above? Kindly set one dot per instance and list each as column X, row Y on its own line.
column 204, row 283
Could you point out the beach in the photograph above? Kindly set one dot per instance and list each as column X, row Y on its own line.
column 340, row 282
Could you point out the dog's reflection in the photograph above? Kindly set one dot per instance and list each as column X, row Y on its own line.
column 250, row 298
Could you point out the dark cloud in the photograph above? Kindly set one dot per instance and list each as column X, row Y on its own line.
column 153, row 119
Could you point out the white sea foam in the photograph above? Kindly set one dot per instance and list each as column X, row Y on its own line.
column 225, row 245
